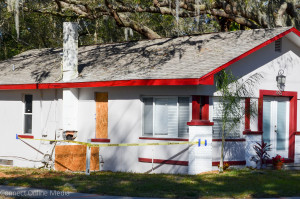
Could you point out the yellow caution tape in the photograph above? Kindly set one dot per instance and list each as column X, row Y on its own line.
column 199, row 142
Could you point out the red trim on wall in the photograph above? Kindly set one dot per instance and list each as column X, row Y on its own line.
column 200, row 123
column 297, row 133
column 229, row 140
column 293, row 115
column 200, row 111
column 26, row 136
column 247, row 114
column 100, row 140
column 252, row 132
column 204, row 108
column 243, row 162
column 212, row 73
column 160, row 161
column 166, row 139
column 207, row 79
column 196, row 107
column 186, row 163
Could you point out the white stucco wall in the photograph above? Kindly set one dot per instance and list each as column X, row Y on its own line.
column 46, row 118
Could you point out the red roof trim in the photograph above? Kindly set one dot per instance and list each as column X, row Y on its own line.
column 208, row 75
column 207, row 79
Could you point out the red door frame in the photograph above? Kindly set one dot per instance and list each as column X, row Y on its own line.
column 293, row 115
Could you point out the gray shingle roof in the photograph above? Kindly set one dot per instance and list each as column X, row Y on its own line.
column 168, row 58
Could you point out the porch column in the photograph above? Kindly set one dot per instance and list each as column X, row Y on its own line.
column 200, row 157
column 297, row 147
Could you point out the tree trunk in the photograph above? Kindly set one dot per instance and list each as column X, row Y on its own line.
column 221, row 167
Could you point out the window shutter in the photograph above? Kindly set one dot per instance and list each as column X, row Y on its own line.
column 172, row 117
column 161, row 116
column 184, row 115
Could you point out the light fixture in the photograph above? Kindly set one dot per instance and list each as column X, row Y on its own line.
column 280, row 79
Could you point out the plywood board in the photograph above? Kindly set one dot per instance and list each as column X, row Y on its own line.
column 73, row 158
column 101, row 115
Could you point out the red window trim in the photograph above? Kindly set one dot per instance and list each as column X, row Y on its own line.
column 200, row 111
column 26, row 136
column 252, row 132
column 167, row 139
column 247, row 114
column 297, row 133
column 229, row 140
column 293, row 115
column 100, row 140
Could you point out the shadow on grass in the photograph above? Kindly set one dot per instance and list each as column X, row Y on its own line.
column 236, row 183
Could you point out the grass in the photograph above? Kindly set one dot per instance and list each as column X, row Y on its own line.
column 234, row 183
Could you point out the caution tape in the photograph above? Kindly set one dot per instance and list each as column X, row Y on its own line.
column 199, row 143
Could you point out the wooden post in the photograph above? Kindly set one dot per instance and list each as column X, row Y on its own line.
column 88, row 160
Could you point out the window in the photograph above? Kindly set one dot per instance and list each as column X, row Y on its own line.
column 217, row 119
column 166, row 116
column 28, row 114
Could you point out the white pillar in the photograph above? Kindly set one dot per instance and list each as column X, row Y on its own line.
column 70, row 54
column 251, row 140
column 200, row 157
column 70, row 109
column 297, row 148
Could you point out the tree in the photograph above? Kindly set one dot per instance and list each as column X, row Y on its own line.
column 38, row 21
column 232, row 92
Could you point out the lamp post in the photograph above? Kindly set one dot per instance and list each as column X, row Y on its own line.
column 280, row 79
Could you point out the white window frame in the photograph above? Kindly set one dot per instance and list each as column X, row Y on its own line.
column 24, row 113
column 166, row 97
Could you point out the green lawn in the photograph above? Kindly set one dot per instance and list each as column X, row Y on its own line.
column 235, row 183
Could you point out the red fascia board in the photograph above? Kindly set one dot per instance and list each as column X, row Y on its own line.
column 208, row 75
column 138, row 82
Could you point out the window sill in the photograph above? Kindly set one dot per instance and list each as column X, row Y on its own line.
column 249, row 132
column 167, row 139
column 100, row 140
column 25, row 136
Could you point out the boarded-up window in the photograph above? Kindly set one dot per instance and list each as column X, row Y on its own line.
column 101, row 115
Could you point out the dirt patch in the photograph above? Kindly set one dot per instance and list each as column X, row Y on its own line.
column 209, row 172
column 3, row 175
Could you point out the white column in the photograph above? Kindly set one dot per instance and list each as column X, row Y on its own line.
column 70, row 48
column 70, row 109
column 251, row 141
column 200, row 157
column 297, row 148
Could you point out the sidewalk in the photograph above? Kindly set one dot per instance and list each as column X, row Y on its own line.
column 25, row 192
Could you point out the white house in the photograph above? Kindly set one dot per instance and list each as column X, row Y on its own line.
column 150, row 91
